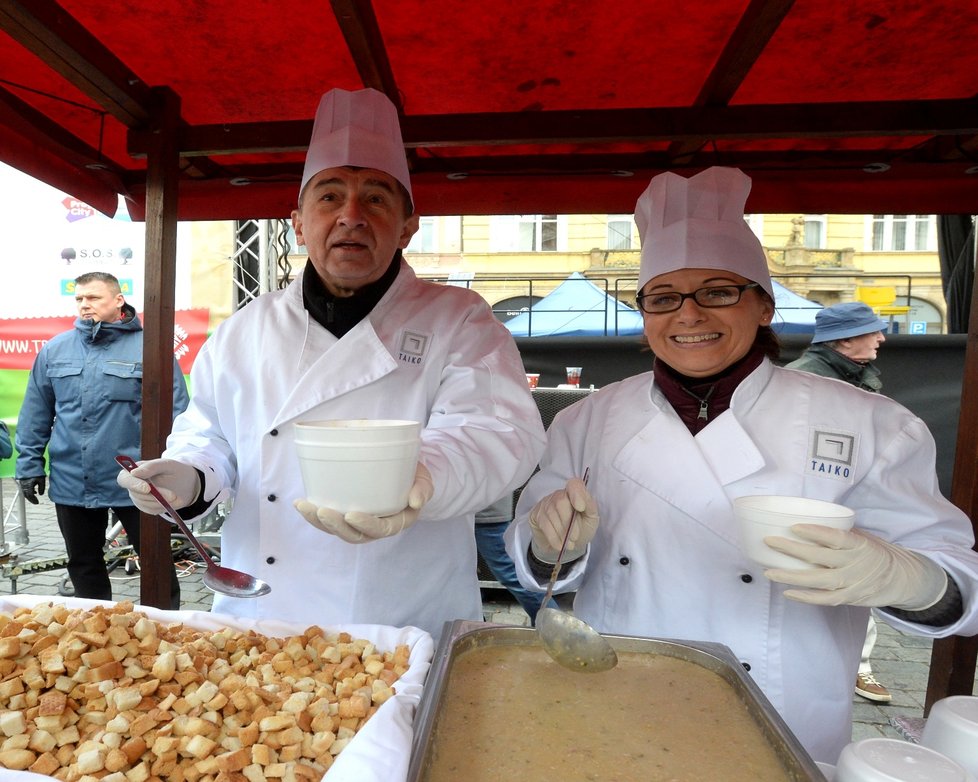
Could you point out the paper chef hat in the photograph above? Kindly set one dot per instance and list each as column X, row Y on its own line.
column 698, row 223
column 357, row 129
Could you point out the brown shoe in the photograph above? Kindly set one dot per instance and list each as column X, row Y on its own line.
column 868, row 687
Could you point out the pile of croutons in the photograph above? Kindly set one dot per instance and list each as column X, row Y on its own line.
column 109, row 694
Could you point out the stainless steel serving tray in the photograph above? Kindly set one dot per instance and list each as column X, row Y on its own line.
column 462, row 635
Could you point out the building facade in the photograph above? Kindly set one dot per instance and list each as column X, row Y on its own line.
column 888, row 261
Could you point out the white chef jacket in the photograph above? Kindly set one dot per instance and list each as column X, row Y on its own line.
column 427, row 352
column 665, row 561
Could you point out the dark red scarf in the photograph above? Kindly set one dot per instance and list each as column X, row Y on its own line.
column 698, row 400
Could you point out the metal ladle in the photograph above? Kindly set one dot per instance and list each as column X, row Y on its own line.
column 219, row 579
column 568, row 640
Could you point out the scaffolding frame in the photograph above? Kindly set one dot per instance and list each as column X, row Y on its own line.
column 260, row 259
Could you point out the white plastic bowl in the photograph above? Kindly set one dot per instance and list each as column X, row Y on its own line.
column 760, row 516
column 952, row 729
column 357, row 431
column 827, row 769
column 894, row 760
column 358, row 465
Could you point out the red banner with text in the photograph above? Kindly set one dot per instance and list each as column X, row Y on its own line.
column 22, row 338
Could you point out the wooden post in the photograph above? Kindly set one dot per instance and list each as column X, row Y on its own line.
column 952, row 661
column 158, row 318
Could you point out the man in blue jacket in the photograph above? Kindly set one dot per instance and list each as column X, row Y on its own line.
column 84, row 405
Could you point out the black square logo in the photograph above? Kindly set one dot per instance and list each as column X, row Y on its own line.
column 833, row 447
column 414, row 344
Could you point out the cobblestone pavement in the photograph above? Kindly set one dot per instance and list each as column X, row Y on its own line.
column 44, row 544
column 900, row 661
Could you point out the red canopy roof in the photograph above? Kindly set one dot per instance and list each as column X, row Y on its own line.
column 552, row 106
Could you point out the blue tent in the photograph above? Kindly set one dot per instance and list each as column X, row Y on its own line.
column 576, row 308
column 793, row 314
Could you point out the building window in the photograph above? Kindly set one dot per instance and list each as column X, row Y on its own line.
column 756, row 223
column 538, row 233
column 904, row 233
column 815, row 232
column 527, row 233
column 619, row 232
column 424, row 239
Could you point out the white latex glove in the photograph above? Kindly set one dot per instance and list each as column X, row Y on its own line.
column 552, row 515
column 357, row 527
column 858, row 569
column 177, row 482
column 329, row 520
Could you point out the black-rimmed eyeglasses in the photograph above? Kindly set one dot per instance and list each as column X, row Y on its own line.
column 713, row 296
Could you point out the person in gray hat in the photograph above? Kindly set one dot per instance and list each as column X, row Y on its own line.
column 846, row 340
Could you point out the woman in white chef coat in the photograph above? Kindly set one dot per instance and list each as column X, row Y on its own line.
column 356, row 335
column 655, row 552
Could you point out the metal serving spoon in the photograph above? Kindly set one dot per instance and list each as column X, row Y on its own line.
column 570, row 641
column 219, row 579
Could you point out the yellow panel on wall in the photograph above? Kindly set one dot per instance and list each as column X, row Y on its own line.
column 876, row 295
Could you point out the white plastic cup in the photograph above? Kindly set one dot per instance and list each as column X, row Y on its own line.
column 574, row 376
column 895, row 760
column 952, row 729
column 761, row 516
column 358, row 465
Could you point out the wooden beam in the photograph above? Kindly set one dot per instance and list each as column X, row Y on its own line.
column 158, row 319
column 625, row 162
column 28, row 121
column 360, row 29
column 757, row 25
column 947, row 148
column 608, row 164
column 801, row 121
column 47, row 30
column 284, row 136
column 953, row 660
column 755, row 29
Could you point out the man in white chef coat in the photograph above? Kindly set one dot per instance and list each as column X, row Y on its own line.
column 356, row 335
